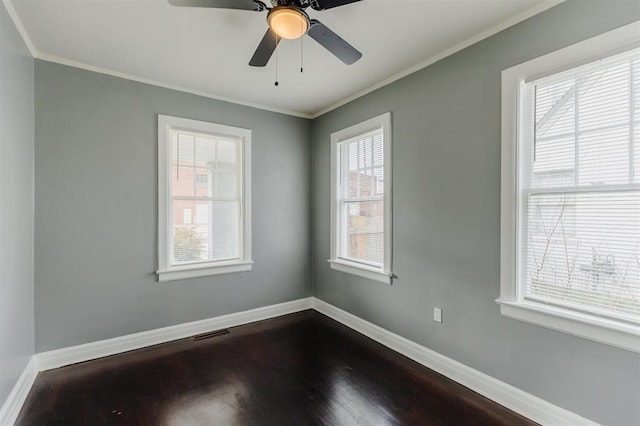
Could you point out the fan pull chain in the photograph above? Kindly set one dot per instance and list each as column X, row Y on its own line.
column 276, row 83
column 301, row 50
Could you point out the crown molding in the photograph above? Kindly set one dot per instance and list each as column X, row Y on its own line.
column 18, row 23
column 131, row 77
column 429, row 61
column 548, row 4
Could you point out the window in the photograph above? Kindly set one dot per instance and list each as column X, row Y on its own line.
column 202, row 179
column 204, row 199
column 570, row 244
column 361, row 199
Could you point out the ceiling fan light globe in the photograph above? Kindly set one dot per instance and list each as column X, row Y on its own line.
column 288, row 22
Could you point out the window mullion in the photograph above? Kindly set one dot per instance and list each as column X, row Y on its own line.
column 576, row 131
column 362, row 199
column 193, row 167
column 371, row 180
column 582, row 189
column 343, row 188
column 632, row 103
column 359, row 145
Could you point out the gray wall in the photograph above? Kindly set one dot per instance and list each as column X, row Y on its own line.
column 446, row 222
column 96, row 209
column 16, row 205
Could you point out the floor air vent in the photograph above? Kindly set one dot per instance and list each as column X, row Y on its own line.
column 211, row 334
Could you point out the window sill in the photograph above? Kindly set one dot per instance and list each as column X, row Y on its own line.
column 195, row 271
column 361, row 271
column 621, row 335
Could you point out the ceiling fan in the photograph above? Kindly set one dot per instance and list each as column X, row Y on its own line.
column 287, row 19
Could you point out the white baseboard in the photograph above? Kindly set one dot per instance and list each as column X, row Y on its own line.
column 513, row 398
column 11, row 407
column 521, row 402
column 74, row 354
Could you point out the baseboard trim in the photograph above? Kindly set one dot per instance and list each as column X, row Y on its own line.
column 521, row 402
column 75, row 354
column 13, row 404
column 530, row 406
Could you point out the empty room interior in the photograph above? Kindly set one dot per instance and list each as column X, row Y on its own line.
column 337, row 212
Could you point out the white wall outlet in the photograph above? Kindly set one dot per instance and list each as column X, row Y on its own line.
column 437, row 314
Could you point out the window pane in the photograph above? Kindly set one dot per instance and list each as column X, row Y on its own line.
column 363, row 158
column 205, row 154
column 603, row 97
column 363, row 220
column 224, row 230
column 202, row 213
column 183, row 148
column 636, row 155
column 188, row 245
column 352, row 185
column 365, row 231
column 554, row 162
column 367, row 146
column 210, row 232
column 205, row 166
column 584, row 249
column 378, row 150
column 604, row 157
column 361, row 154
column 378, row 178
column 352, row 155
column 555, row 108
column 226, row 182
column 227, row 154
column 188, row 239
column 584, row 124
column 636, row 90
column 182, row 166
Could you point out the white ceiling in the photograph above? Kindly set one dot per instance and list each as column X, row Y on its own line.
column 206, row 51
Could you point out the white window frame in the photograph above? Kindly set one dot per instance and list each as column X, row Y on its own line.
column 382, row 274
column 167, row 271
column 512, row 304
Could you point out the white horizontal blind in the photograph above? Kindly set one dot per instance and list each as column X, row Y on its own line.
column 580, row 192
column 361, row 199
column 206, row 195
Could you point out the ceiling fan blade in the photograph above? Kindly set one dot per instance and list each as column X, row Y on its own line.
column 333, row 42
column 265, row 49
column 221, row 4
column 329, row 4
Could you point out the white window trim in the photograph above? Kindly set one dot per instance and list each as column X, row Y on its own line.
column 512, row 303
column 383, row 274
column 167, row 272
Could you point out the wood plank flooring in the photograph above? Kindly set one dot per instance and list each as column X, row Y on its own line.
column 299, row 369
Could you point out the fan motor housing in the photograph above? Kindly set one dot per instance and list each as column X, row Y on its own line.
column 290, row 22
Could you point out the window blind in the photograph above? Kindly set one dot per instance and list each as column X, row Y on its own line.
column 361, row 198
column 206, row 197
column 580, row 190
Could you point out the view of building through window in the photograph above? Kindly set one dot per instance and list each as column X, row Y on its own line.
column 205, row 187
column 581, row 187
column 363, row 198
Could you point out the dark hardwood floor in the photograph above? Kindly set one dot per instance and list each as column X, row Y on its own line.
column 299, row 369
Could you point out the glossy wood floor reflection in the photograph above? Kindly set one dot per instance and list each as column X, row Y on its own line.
column 299, row 369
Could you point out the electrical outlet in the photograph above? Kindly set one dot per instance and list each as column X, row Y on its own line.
column 437, row 314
